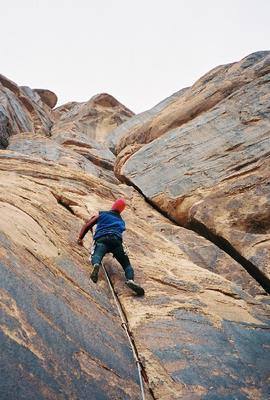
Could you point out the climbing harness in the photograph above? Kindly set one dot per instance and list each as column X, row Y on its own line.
column 124, row 325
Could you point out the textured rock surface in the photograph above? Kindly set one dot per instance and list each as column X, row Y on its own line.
column 212, row 173
column 83, row 127
column 21, row 110
column 95, row 118
column 73, row 128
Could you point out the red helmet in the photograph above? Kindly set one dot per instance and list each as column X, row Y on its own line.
column 119, row 205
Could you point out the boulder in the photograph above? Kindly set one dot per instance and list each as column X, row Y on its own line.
column 47, row 96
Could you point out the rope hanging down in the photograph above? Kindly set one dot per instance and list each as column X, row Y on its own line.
column 125, row 326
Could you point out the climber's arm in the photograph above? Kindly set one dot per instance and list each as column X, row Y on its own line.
column 86, row 227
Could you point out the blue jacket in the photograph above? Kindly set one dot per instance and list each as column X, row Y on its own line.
column 109, row 223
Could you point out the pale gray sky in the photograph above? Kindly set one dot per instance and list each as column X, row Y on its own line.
column 139, row 51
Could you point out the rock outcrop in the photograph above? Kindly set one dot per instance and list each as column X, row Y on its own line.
column 95, row 118
column 212, row 173
column 202, row 329
column 96, row 152
column 21, row 110
column 83, row 128
column 47, row 96
column 203, row 253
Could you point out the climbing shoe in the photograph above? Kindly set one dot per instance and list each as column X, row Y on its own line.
column 94, row 274
column 135, row 287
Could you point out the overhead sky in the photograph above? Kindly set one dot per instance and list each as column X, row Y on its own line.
column 140, row 51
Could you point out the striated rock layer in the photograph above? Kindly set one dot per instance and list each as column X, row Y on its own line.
column 129, row 126
column 83, row 128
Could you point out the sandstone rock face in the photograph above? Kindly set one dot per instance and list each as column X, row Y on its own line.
column 95, row 118
column 47, row 96
column 204, row 95
column 60, row 337
column 201, row 330
column 197, row 334
column 21, row 110
column 212, row 173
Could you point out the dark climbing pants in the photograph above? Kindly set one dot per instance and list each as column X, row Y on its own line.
column 112, row 244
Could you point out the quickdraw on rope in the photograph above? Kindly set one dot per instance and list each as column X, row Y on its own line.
column 125, row 327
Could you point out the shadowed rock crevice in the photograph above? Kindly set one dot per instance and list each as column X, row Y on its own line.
column 224, row 245
column 63, row 202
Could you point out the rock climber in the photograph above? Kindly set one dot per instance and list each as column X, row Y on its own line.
column 108, row 239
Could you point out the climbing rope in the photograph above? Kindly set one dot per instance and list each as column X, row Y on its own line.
column 124, row 324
